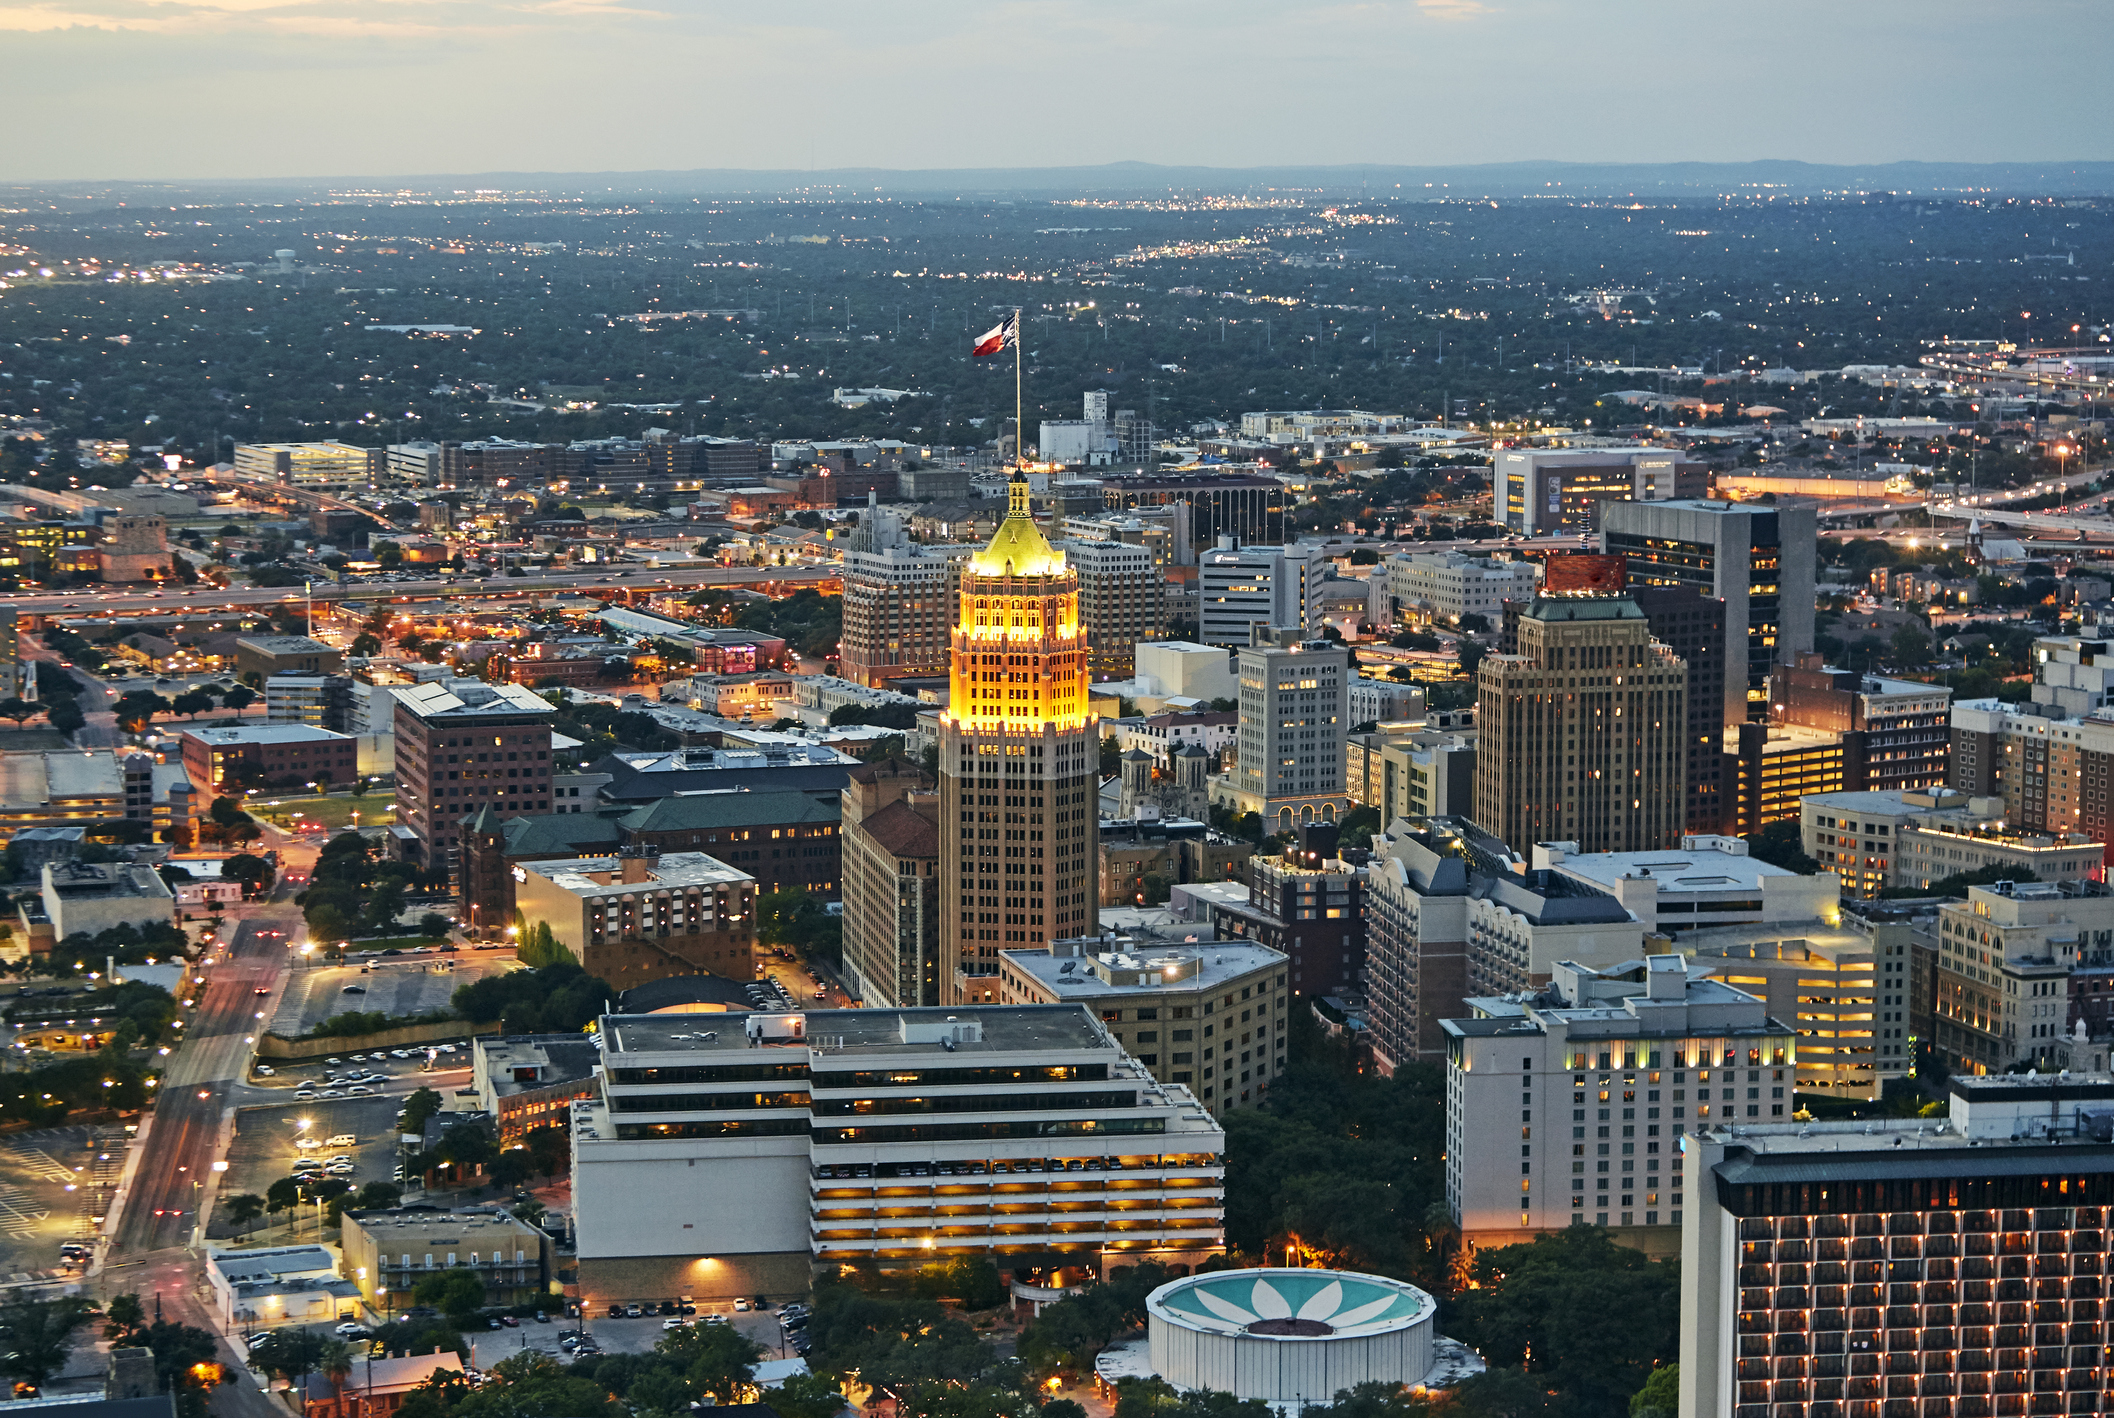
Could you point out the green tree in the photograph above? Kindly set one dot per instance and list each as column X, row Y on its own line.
column 65, row 716
column 185, row 1359
column 239, row 698
column 1780, row 845
column 191, row 703
column 135, row 708
column 1470, row 654
column 122, row 1315
column 457, row 1293
column 1910, row 646
column 242, row 1210
column 1587, row 1317
column 36, row 1335
column 282, row 1195
column 1661, row 1395
column 716, row 1358
column 820, row 1396
column 419, row 1107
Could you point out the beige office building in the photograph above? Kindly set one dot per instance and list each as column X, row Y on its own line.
column 1581, row 733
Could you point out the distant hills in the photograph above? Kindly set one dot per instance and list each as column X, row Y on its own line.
column 1132, row 180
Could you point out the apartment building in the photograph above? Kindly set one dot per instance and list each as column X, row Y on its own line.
column 898, row 602
column 1611, row 1069
column 2006, row 956
column 1945, row 1265
column 1841, row 981
column 774, row 1143
column 1444, row 586
column 1416, row 910
column 1581, row 734
column 1308, row 904
column 1760, row 561
column 641, row 915
column 387, row 1253
column 1119, row 601
column 892, row 900
column 2054, row 771
column 1896, row 730
column 1180, row 1010
column 1874, row 841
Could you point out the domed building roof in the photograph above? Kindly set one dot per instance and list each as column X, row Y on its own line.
column 1294, row 1303
column 1018, row 547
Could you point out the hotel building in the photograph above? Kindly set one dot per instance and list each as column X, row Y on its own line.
column 1918, row 1266
column 1611, row 1068
column 1019, row 754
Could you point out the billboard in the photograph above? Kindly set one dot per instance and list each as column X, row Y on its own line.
column 1584, row 576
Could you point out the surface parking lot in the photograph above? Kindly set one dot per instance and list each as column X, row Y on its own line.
column 53, row 1185
column 263, row 1150
column 404, row 985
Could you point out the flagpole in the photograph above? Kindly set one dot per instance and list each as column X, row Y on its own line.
column 1020, row 428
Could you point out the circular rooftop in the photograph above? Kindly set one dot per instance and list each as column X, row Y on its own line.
column 1282, row 1335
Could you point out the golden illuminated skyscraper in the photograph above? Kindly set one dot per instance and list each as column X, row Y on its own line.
column 1018, row 759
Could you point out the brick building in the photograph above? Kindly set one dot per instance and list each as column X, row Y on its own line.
column 224, row 761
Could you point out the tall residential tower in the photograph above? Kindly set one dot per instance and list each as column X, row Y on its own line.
column 1018, row 758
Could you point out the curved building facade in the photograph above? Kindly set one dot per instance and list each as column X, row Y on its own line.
column 1290, row 1335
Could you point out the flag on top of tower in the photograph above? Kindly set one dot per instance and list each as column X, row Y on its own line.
column 1000, row 336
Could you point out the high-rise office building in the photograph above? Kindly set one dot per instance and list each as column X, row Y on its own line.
column 1758, row 560
column 1018, row 760
column 1581, row 731
column 1119, row 601
column 1293, row 726
column 898, row 602
column 1239, row 587
column 1692, row 625
column 1952, row 1265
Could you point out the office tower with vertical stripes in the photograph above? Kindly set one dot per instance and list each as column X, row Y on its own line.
column 1018, row 761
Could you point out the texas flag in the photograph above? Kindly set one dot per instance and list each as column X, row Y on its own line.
column 1005, row 332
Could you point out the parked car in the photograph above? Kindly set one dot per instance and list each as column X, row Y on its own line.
column 510, row 1322
column 633, row 1312
column 616, row 1312
column 349, row 1330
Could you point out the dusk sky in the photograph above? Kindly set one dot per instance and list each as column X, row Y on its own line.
column 287, row 88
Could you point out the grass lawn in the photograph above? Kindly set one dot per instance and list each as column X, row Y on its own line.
column 335, row 813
